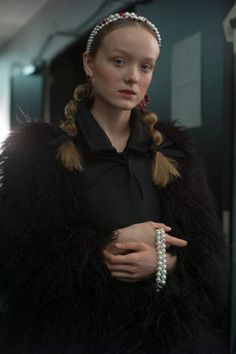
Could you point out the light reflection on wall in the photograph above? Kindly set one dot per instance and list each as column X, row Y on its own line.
column 5, row 69
column 4, row 131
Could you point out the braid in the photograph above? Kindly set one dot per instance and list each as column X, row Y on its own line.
column 67, row 151
column 164, row 169
column 68, row 126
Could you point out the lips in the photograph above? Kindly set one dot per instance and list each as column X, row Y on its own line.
column 128, row 92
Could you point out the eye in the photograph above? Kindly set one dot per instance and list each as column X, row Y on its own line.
column 119, row 61
column 146, row 67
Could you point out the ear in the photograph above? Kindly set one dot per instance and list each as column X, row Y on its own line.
column 88, row 64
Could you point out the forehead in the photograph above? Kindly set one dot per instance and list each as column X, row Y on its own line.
column 133, row 38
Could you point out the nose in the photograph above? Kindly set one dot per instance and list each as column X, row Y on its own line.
column 132, row 75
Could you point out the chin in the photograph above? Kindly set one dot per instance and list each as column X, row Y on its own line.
column 126, row 106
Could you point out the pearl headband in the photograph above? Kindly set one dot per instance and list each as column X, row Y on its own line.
column 121, row 16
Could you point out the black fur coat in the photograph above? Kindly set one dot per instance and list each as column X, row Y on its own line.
column 57, row 295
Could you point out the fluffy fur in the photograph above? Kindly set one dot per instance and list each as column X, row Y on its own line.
column 56, row 293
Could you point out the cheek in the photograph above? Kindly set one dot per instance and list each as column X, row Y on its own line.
column 106, row 76
column 146, row 82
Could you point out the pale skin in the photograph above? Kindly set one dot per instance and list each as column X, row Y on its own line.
column 119, row 65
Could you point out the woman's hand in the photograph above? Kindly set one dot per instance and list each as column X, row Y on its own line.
column 133, row 256
column 138, row 264
column 143, row 232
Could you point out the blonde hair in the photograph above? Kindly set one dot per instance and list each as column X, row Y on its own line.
column 67, row 152
column 164, row 169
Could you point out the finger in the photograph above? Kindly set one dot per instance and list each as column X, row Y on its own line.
column 107, row 255
column 174, row 241
column 131, row 246
column 112, row 259
column 121, row 268
column 126, row 259
column 158, row 225
column 171, row 262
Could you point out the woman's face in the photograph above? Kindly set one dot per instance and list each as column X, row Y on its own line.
column 122, row 67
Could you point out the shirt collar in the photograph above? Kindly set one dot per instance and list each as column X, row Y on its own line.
column 98, row 141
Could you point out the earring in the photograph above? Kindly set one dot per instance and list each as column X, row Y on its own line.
column 90, row 87
column 144, row 103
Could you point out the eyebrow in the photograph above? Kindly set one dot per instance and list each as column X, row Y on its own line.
column 128, row 54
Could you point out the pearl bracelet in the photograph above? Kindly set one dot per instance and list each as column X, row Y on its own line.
column 161, row 272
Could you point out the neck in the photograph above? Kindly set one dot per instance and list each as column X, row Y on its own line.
column 113, row 121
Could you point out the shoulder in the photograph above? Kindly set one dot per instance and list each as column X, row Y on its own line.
column 30, row 138
column 176, row 133
column 180, row 140
column 29, row 150
column 32, row 133
column 179, row 145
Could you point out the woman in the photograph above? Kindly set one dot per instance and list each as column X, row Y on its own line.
column 89, row 210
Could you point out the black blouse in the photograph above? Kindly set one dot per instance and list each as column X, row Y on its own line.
column 119, row 184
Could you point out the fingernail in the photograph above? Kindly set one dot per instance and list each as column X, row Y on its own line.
column 119, row 245
column 168, row 227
